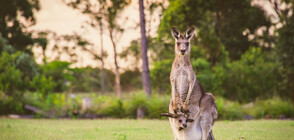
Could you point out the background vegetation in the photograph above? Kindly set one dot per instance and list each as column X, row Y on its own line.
column 241, row 54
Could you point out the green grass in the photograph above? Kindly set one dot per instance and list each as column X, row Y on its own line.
column 108, row 129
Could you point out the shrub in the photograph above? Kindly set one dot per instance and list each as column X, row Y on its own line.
column 156, row 105
column 273, row 107
column 135, row 101
column 43, row 84
column 159, row 75
column 10, row 105
column 10, row 76
column 255, row 75
column 204, row 75
column 228, row 110
column 113, row 108
column 56, row 105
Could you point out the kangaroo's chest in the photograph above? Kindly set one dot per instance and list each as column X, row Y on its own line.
column 182, row 81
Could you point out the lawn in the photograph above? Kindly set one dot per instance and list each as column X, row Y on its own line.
column 108, row 129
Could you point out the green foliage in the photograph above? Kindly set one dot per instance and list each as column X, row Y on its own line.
column 134, row 102
column 151, row 106
column 60, row 73
column 10, row 77
column 160, row 75
column 203, row 73
column 285, row 50
column 274, row 107
column 16, row 70
column 157, row 104
column 218, row 22
column 113, row 108
column 13, row 15
column 228, row 110
column 255, row 75
column 88, row 79
column 56, row 105
column 43, row 84
column 10, row 105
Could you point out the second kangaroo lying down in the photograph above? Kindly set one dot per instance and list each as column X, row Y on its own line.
column 199, row 129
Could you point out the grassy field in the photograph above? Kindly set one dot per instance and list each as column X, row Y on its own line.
column 30, row 129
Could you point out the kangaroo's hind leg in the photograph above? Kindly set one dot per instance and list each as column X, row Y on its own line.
column 206, row 122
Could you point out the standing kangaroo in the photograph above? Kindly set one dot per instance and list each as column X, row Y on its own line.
column 186, row 91
column 189, row 102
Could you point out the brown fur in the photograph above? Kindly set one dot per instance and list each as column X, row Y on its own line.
column 188, row 96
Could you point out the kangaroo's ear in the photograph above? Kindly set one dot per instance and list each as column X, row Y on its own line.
column 175, row 32
column 190, row 32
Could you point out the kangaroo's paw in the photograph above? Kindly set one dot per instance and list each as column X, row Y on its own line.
column 185, row 108
column 175, row 109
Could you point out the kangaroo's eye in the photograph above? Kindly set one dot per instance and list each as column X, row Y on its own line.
column 178, row 43
column 180, row 121
column 187, row 43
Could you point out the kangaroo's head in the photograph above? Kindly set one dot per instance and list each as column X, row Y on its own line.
column 182, row 41
column 180, row 121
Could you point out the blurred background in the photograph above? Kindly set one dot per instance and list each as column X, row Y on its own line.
column 112, row 58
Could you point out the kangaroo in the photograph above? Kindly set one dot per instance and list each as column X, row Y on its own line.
column 189, row 99
column 186, row 90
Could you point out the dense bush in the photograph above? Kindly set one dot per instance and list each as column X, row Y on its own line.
column 255, row 75
column 43, row 84
column 57, row 105
column 10, row 76
column 228, row 110
column 60, row 73
column 204, row 74
column 10, row 105
column 273, row 108
column 113, row 108
column 160, row 75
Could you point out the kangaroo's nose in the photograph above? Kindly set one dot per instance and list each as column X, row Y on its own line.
column 183, row 51
column 185, row 125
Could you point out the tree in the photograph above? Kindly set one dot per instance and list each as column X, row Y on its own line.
column 104, row 14
column 96, row 13
column 233, row 21
column 285, row 45
column 112, row 14
column 144, row 48
column 15, row 16
column 102, row 78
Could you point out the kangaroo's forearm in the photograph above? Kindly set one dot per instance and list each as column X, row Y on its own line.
column 191, row 85
column 192, row 79
column 173, row 91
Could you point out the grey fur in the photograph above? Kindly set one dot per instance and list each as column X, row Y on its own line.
column 188, row 96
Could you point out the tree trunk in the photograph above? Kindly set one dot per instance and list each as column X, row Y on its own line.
column 293, row 96
column 144, row 47
column 102, row 79
column 44, row 55
column 117, row 76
